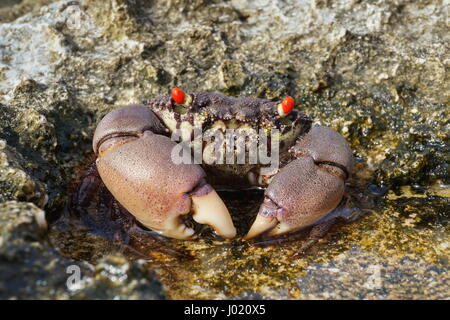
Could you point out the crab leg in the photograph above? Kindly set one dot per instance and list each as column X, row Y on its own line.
column 134, row 161
column 309, row 187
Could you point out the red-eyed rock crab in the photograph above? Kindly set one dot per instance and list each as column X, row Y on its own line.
column 138, row 162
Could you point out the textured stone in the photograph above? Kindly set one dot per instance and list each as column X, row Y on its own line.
column 375, row 71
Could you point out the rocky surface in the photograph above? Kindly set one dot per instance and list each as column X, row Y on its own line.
column 376, row 71
column 31, row 269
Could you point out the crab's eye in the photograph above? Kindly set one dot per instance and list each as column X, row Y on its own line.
column 178, row 95
column 285, row 106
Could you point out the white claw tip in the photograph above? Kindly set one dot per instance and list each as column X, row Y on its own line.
column 209, row 209
column 260, row 226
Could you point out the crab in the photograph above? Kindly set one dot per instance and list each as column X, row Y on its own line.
column 156, row 192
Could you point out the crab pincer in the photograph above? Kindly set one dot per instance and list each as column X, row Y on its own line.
column 134, row 161
column 309, row 187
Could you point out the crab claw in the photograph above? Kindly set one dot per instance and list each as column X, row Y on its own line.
column 308, row 188
column 134, row 162
column 206, row 200
column 261, row 225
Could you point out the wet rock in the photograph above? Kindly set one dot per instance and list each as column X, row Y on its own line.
column 31, row 269
column 372, row 277
column 376, row 72
column 15, row 182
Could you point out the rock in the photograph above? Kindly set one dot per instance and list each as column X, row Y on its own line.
column 12, row 9
column 30, row 269
column 372, row 277
column 15, row 182
column 376, row 72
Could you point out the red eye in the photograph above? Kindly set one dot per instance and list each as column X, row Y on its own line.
column 287, row 104
column 178, row 95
